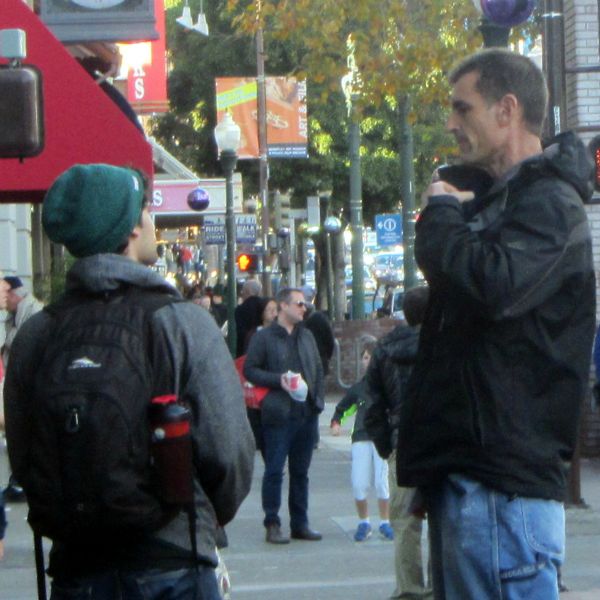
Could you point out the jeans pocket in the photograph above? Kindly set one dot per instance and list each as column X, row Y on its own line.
column 544, row 523
column 532, row 536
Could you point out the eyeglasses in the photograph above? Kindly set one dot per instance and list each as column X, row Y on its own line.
column 300, row 303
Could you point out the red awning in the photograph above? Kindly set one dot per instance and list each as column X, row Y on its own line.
column 82, row 124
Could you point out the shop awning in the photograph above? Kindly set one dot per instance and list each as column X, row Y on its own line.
column 82, row 124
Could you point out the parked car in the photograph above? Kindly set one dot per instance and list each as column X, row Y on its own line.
column 389, row 265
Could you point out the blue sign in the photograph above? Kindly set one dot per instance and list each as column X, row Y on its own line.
column 388, row 229
column 214, row 230
column 245, row 229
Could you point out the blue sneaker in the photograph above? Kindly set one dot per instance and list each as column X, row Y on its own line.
column 363, row 531
column 385, row 529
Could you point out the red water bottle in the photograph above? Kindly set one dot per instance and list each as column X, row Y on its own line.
column 171, row 449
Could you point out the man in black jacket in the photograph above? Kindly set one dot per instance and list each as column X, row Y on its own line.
column 289, row 421
column 493, row 404
column 386, row 380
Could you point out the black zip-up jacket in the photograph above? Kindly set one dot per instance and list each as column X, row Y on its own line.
column 355, row 402
column 386, row 379
column 267, row 359
column 505, row 348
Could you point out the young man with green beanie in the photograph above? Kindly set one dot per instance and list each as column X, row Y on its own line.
column 99, row 213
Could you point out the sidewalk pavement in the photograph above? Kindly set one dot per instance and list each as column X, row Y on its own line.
column 337, row 568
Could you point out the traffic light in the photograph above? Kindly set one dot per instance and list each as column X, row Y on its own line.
column 282, row 212
column 594, row 148
column 247, row 262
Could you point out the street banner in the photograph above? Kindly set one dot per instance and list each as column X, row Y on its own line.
column 287, row 119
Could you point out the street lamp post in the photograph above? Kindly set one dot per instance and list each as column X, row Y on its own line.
column 332, row 226
column 351, row 84
column 227, row 136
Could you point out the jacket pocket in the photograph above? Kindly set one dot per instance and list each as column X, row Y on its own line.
column 276, row 408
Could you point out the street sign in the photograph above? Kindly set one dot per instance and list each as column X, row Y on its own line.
column 389, row 229
column 245, row 226
column 245, row 230
column 214, row 230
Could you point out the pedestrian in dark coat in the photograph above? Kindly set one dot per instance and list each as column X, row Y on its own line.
column 288, row 418
column 494, row 400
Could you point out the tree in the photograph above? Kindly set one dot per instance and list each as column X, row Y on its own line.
column 401, row 47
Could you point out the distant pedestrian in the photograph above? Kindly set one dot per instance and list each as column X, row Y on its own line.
column 387, row 377
column 319, row 324
column 267, row 313
column 284, row 358
column 368, row 468
column 21, row 305
column 247, row 314
column 219, row 310
column 4, row 287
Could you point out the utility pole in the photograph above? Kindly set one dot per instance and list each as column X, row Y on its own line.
column 261, row 91
column 407, row 191
column 554, row 65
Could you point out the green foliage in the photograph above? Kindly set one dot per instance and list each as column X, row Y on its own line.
column 401, row 46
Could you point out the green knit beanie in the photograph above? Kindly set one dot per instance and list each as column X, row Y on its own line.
column 92, row 209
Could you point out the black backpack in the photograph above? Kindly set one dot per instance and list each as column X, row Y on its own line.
column 90, row 471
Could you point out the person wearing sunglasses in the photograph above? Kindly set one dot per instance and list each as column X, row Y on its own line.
column 284, row 357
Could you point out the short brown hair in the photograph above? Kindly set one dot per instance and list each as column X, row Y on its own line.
column 503, row 72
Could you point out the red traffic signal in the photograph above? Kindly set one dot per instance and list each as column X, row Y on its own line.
column 247, row 262
column 594, row 148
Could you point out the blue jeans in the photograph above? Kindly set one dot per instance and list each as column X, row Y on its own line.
column 294, row 441
column 152, row 584
column 487, row 545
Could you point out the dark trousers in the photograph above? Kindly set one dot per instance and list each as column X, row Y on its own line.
column 188, row 584
column 295, row 442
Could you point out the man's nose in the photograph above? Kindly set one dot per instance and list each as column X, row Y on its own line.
column 451, row 123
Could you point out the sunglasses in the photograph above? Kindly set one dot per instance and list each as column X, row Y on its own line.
column 299, row 303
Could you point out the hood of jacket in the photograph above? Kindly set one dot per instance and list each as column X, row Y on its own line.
column 401, row 344
column 109, row 272
column 565, row 157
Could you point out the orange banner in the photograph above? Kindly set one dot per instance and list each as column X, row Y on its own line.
column 287, row 119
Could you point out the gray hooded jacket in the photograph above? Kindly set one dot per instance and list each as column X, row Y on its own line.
column 201, row 373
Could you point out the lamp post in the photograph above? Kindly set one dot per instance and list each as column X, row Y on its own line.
column 351, row 84
column 227, row 136
column 332, row 226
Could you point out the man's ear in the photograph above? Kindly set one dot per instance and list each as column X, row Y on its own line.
column 130, row 249
column 508, row 109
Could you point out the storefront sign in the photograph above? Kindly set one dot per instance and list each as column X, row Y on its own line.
column 170, row 197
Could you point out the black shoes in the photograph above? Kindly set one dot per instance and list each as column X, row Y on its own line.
column 14, row 493
column 274, row 535
column 306, row 533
